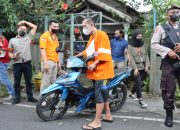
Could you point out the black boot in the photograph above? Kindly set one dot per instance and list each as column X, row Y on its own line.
column 169, row 118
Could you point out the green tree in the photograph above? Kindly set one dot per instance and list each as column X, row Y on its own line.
column 14, row 10
column 160, row 6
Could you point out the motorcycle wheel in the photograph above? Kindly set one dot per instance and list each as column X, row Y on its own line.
column 47, row 106
column 117, row 97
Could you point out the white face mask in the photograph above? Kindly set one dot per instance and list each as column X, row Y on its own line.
column 86, row 31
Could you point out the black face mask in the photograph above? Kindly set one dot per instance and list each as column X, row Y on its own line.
column 55, row 30
column 117, row 37
column 137, row 43
column 138, row 40
column 174, row 17
column 21, row 33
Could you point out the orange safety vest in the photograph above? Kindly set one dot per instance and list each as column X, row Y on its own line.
column 101, row 45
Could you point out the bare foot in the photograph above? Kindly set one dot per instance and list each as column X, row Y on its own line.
column 108, row 117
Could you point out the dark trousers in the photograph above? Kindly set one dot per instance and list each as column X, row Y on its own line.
column 168, row 84
column 26, row 69
column 138, row 83
column 101, row 93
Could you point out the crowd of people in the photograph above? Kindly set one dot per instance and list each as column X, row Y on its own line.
column 110, row 54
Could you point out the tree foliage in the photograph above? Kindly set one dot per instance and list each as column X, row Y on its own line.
column 133, row 4
column 15, row 10
column 160, row 6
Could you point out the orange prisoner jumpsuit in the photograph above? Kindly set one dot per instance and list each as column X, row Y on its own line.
column 104, row 70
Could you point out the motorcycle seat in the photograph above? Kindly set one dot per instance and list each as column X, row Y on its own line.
column 85, row 91
column 121, row 73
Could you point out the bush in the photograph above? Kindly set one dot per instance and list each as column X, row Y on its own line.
column 177, row 94
column 3, row 91
column 146, row 83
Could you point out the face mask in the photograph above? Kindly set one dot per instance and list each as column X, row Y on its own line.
column 21, row 33
column 55, row 30
column 86, row 31
column 138, row 40
column 117, row 37
column 174, row 17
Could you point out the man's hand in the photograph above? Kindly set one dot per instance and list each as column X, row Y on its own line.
column 172, row 55
column 136, row 72
column 32, row 26
column 22, row 22
column 16, row 56
column 46, row 67
column 92, row 66
column 79, row 55
column 146, row 69
column 177, row 48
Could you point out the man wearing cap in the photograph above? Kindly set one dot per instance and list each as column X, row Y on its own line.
column 166, row 43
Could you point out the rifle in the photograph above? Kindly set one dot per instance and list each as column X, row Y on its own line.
column 177, row 64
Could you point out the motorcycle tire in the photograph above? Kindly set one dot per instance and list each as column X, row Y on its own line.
column 48, row 103
column 117, row 97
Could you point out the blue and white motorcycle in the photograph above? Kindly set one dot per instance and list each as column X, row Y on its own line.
column 67, row 92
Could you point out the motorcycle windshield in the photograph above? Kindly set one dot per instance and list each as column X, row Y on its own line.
column 74, row 62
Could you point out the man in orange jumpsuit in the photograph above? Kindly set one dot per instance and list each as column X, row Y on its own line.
column 99, row 70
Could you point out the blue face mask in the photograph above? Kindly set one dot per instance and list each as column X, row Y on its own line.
column 117, row 37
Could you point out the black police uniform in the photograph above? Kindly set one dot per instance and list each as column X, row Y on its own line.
column 169, row 72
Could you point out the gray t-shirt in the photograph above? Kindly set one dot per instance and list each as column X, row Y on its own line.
column 21, row 45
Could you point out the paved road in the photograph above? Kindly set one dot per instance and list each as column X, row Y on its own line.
column 24, row 118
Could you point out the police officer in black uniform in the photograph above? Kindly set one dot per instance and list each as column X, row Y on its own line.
column 166, row 42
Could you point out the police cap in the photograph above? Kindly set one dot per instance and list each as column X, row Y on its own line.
column 173, row 7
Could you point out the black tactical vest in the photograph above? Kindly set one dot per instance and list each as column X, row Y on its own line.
column 171, row 39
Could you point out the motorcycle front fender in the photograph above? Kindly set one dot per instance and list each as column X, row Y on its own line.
column 54, row 87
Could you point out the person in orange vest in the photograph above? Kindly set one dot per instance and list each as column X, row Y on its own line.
column 50, row 61
column 99, row 70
